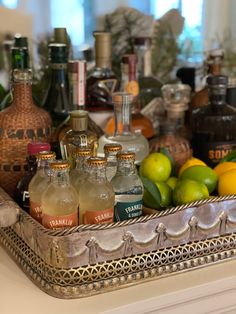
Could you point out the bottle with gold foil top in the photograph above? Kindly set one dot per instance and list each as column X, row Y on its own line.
column 39, row 183
column 96, row 196
column 78, row 136
column 80, row 172
column 20, row 123
column 60, row 199
column 102, row 82
column 110, row 151
column 128, row 188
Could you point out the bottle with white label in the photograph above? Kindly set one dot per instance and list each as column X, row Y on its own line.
column 60, row 199
column 96, row 195
column 128, row 188
column 80, row 172
column 39, row 183
column 110, row 151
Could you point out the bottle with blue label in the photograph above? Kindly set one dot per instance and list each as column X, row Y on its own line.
column 128, row 188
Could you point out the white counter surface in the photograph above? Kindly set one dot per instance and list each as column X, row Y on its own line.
column 207, row 290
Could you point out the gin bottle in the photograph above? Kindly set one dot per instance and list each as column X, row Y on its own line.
column 123, row 134
column 59, row 200
column 128, row 188
column 96, row 195
column 39, row 183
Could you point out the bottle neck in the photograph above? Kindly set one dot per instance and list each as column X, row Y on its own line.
column 144, row 66
column 123, row 119
column 217, row 95
column 81, row 164
column 97, row 173
column 20, row 59
column 111, row 157
column 60, row 177
column 126, row 167
column 103, row 63
column 77, row 90
column 22, row 95
column 59, row 73
column 214, row 69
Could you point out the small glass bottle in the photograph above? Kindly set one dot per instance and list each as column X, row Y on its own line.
column 214, row 126
column 78, row 136
column 96, row 195
column 60, row 199
column 22, row 188
column 110, row 151
column 123, row 134
column 80, row 172
column 128, row 188
column 39, row 183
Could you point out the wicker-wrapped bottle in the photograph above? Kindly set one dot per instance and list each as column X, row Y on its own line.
column 21, row 123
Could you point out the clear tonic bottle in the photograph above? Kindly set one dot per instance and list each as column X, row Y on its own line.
column 110, row 151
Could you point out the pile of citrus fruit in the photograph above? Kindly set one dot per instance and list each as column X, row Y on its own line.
column 194, row 181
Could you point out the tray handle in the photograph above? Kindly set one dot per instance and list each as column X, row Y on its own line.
column 9, row 210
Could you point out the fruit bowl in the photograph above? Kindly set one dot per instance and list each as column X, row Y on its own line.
column 91, row 259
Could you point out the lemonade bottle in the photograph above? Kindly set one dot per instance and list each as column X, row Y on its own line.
column 128, row 188
column 39, row 182
column 110, row 151
column 79, row 173
column 60, row 199
column 96, row 196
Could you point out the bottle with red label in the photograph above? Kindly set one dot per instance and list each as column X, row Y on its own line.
column 96, row 195
column 214, row 126
column 60, row 199
column 22, row 193
column 39, row 183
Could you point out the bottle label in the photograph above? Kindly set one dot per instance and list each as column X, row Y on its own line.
column 213, row 152
column 36, row 211
column 128, row 210
column 25, row 201
column 98, row 216
column 58, row 222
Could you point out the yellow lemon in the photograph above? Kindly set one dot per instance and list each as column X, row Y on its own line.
column 227, row 183
column 224, row 166
column 172, row 181
column 187, row 191
column 202, row 174
column 156, row 167
column 191, row 162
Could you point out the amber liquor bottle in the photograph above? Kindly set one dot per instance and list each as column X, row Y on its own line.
column 214, row 125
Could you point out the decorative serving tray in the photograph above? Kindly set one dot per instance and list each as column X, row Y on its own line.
column 91, row 259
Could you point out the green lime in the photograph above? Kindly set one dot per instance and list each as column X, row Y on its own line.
column 172, row 181
column 156, row 167
column 187, row 191
column 166, row 193
column 202, row 174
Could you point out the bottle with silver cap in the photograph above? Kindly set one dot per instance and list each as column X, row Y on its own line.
column 128, row 188
column 123, row 134
column 110, row 151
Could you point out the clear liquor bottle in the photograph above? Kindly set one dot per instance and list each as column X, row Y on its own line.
column 123, row 133
column 39, row 183
column 78, row 136
column 110, row 151
column 214, row 125
column 96, row 195
column 80, row 172
column 128, row 188
column 60, row 199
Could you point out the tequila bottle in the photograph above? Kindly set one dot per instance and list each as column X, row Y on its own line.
column 123, row 134
column 128, row 188
column 96, row 195
column 60, row 199
column 110, row 151
column 39, row 183
column 80, row 172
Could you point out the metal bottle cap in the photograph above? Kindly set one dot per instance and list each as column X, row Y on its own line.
column 97, row 161
column 112, row 147
column 102, row 49
column 83, row 152
column 20, row 41
column 79, row 120
column 46, row 155
column 125, row 155
column 60, row 35
column 59, row 165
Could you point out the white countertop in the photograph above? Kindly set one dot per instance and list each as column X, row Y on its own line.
column 210, row 289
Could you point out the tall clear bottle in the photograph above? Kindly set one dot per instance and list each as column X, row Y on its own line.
column 110, row 151
column 80, row 172
column 96, row 195
column 128, row 188
column 123, row 133
column 39, row 183
column 60, row 199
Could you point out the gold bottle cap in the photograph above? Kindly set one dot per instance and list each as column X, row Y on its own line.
column 59, row 165
column 79, row 120
column 126, row 155
column 83, row 152
column 97, row 161
column 112, row 147
column 122, row 97
column 102, row 49
column 46, row 155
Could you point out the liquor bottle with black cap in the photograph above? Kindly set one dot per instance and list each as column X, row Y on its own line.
column 214, row 125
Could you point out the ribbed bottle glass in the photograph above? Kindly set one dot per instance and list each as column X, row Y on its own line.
column 110, row 151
